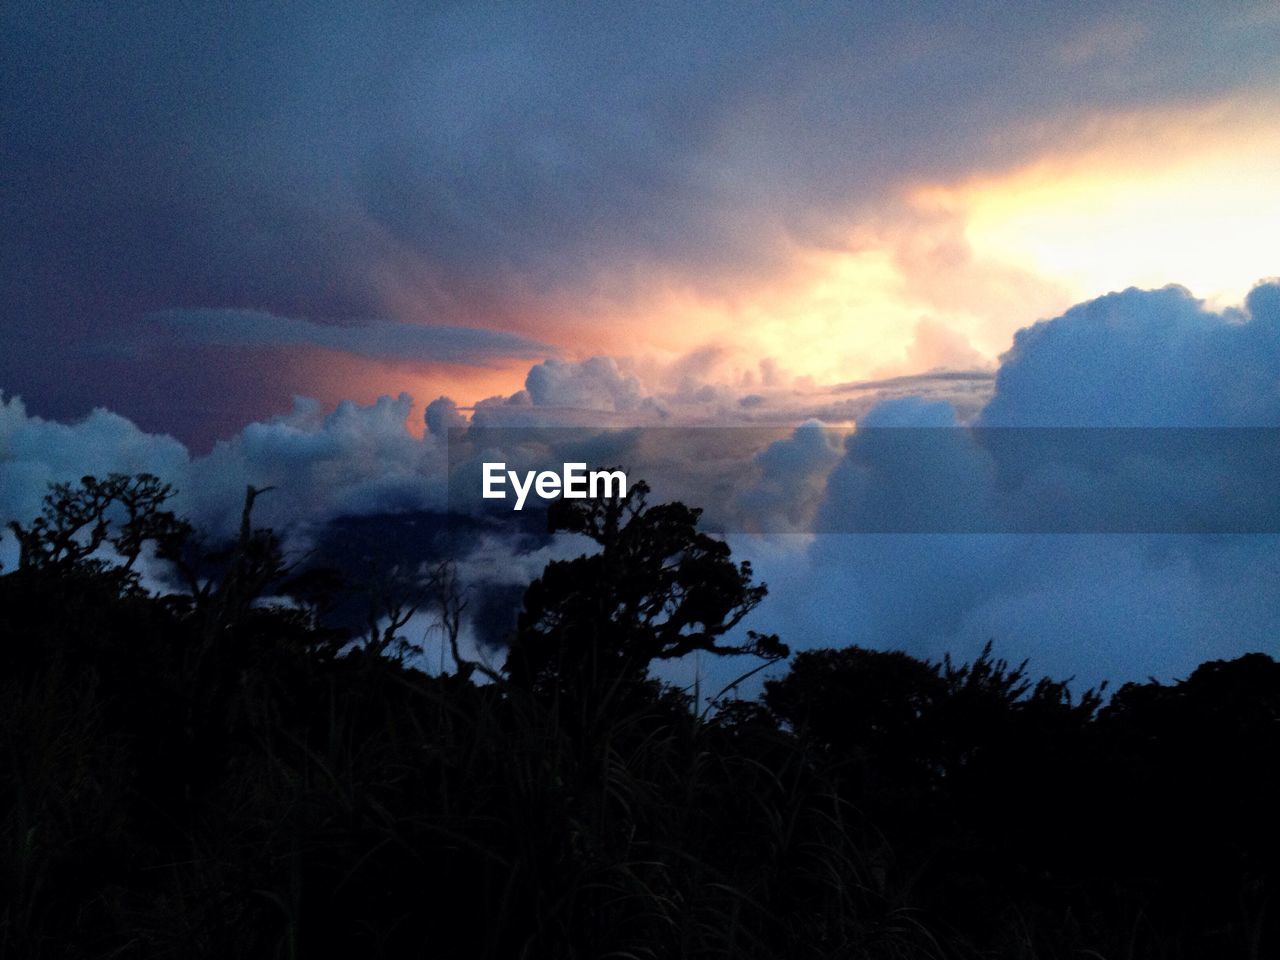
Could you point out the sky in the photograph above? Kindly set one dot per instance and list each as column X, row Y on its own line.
column 229, row 230
column 200, row 202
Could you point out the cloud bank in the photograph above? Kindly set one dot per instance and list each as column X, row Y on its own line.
column 1094, row 606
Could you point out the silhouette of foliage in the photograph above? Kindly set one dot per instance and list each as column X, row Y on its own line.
column 77, row 522
column 219, row 770
column 657, row 589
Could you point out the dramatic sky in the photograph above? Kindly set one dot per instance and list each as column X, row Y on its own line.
column 200, row 201
column 229, row 229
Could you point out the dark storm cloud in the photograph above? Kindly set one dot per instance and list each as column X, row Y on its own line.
column 552, row 141
column 311, row 160
column 380, row 340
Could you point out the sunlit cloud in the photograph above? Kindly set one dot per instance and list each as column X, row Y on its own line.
column 942, row 275
column 1185, row 197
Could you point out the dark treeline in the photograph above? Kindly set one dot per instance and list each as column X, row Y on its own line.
column 206, row 773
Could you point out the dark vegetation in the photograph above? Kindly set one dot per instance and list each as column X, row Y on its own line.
column 208, row 774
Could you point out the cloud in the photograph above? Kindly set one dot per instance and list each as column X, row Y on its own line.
column 592, row 392
column 469, row 164
column 792, row 481
column 380, row 340
column 936, row 347
column 1097, row 606
column 967, row 391
column 441, row 416
column 594, row 384
column 358, row 460
column 1145, row 358
column 35, row 452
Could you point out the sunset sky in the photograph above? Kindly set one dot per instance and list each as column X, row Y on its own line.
column 200, row 203
column 293, row 244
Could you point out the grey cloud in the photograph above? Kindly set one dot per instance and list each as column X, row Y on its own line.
column 1093, row 606
column 35, row 451
column 591, row 392
column 594, row 384
column 357, row 460
column 311, row 163
column 792, row 481
column 1099, row 606
column 381, row 340
column 442, row 415
column 1145, row 358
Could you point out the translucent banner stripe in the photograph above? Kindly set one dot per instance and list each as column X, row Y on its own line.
column 813, row 479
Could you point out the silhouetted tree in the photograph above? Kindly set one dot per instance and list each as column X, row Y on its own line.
column 77, row 522
column 658, row 588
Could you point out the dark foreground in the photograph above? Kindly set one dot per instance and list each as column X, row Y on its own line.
column 200, row 775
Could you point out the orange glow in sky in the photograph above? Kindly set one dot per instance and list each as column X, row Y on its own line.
column 944, row 278
column 1192, row 199
column 940, row 275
